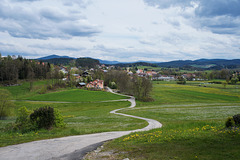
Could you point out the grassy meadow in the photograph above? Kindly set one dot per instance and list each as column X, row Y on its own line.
column 76, row 95
column 87, row 116
column 23, row 90
column 81, row 118
column 150, row 68
column 193, row 119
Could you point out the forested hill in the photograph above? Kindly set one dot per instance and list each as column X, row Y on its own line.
column 59, row 61
column 87, row 62
column 136, row 64
column 83, row 62
column 54, row 57
column 203, row 63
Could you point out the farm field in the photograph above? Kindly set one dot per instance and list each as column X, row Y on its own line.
column 86, row 116
column 22, row 91
column 150, row 68
column 81, row 118
column 193, row 121
column 76, row 95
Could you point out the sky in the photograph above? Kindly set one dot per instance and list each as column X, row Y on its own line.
column 121, row 30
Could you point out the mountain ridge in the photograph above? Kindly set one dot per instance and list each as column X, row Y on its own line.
column 209, row 63
column 54, row 56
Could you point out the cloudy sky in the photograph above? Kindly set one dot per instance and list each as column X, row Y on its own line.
column 122, row 30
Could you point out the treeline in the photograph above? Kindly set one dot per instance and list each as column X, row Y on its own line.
column 202, row 64
column 224, row 74
column 14, row 69
column 87, row 62
column 60, row 61
column 140, row 87
column 136, row 64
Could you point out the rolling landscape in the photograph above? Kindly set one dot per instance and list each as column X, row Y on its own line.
column 193, row 114
column 119, row 80
column 193, row 64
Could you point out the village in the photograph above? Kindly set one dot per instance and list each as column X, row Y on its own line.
column 85, row 77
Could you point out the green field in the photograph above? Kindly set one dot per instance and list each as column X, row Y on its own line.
column 193, row 118
column 22, row 90
column 88, row 116
column 76, row 95
column 193, row 121
column 81, row 118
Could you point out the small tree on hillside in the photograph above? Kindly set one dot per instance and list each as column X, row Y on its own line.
column 181, row 80
column 5, row 103
column 224, row 84
column 234, row 79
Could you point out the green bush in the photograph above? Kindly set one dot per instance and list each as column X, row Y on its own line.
column 43, row 117
column 58, row 122
column 49, row 87
column 5, row 103
column 146, row 99
column 181, row 80
column 112, row 85
column 43, row 90
column 236, row 119
column 229, row 122
column 23, row 122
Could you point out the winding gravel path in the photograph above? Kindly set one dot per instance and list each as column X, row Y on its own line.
column 72, row 147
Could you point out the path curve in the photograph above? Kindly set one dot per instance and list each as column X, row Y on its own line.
column 72, row 147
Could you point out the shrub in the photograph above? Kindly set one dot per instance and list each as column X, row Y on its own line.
column 23, row 122
column 43, row 117
column 43, row 90
column 181, row 80
column 224, row 84
column 112, row 85
column 236, row 119
column 229, row 122
column 5, row 103
column 58, row 122
column 49, row 87
column 147, row 99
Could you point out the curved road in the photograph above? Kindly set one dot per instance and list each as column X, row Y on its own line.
column 72, row 147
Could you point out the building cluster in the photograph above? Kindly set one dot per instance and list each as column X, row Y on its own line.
column 82, row 79
column 153, row 75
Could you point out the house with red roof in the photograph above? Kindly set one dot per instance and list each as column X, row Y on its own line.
column 97, row 84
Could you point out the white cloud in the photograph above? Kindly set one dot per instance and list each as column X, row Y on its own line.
column 118, row 30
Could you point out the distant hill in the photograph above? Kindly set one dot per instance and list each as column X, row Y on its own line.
column 87, row 62
column 203, row 63
column 135, row 64
column 58, row 61
column 200, row 64
column 117, row 62
column 108, row 62
column 54, row 57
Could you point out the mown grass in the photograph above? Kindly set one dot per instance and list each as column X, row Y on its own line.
column 193, row 121
column 81, row 118
column 88, row 116
column 150, row 68
column 23, row 89
column 76, row 95
column 172, row 93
